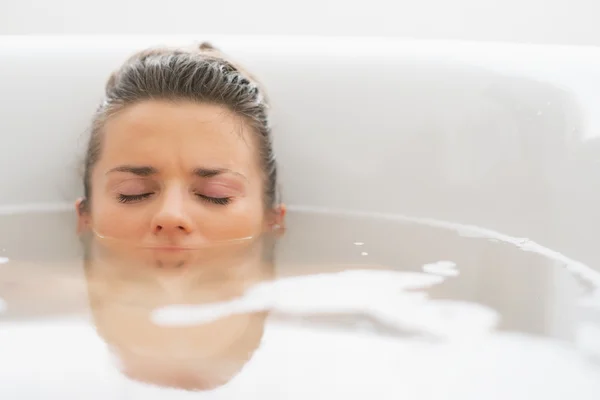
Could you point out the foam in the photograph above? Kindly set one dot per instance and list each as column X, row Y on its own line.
column 443, row 268
column 381, row 295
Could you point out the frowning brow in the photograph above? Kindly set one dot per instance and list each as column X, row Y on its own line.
column 210, row 172
column 148, row 171
column 134, row 169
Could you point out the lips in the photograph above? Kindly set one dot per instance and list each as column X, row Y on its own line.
column 170, row 264
column 169, row 248
column 169, row 256
column 198, row 245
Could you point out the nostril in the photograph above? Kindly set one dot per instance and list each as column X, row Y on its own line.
column 169, row 228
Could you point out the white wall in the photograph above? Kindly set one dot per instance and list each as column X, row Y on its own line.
column 537, row 21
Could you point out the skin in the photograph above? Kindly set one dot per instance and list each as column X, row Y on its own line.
column 177, row 176
column 195, row 357
column 176, row 215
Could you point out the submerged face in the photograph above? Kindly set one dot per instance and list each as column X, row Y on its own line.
column 177, row 175
column 198, row 356
column 177, row 185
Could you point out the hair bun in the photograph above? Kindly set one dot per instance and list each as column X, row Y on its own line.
column 206, row 46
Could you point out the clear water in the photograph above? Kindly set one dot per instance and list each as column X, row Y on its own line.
column 353, row 306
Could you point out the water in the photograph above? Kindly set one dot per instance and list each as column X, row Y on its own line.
column 355, row 306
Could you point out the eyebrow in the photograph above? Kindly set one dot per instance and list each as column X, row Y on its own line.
column 148, row 171
column 137, row 170
column 210, row 172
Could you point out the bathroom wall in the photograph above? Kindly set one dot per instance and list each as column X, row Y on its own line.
column 536, row 21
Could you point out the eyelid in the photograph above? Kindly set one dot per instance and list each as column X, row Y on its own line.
column 133, row 186
column 221, row 189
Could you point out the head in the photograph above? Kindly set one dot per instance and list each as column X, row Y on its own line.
column 180, row 159
column 180, row 154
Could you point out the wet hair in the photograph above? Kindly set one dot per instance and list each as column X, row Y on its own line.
column 203, row 75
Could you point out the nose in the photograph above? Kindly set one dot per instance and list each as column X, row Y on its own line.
column 172, row 217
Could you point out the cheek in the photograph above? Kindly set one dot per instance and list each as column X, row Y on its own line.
column 243, row 218
column 111, row 219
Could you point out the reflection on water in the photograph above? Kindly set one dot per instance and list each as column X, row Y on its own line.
column 339, row 305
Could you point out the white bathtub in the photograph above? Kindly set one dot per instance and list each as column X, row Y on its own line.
column 499, row 136
column 490, row 140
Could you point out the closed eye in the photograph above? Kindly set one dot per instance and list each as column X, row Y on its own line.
column 130, row 198
column 222, row 201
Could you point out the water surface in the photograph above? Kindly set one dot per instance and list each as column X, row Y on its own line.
column 364, row 307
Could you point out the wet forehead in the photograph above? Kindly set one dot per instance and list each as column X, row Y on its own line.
column 166, row 134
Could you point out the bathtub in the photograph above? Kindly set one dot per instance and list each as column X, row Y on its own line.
column 495, row 135
column 487, row 140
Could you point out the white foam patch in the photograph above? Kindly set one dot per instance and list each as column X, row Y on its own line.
column 379, row 294
column 592, row 301
column 3, row 260
column 587, row 337
column 443, row 268
column 307, row 363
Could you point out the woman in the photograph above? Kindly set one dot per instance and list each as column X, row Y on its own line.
column 180, row 190
column 180, row 156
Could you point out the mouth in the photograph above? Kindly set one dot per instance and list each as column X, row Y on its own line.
column 169, row 256
column 169, row 249
column 170, row 264
column 200, row 245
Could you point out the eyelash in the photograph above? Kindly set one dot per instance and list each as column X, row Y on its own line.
column 123, row 198
column 222, row 201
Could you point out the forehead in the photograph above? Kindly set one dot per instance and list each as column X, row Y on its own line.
column 162, row 132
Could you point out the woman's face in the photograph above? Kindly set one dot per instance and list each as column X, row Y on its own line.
column 173, row 180
column 177, row 175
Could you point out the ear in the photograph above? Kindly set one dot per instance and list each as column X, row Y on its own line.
column 277, row 219
column 83, row 216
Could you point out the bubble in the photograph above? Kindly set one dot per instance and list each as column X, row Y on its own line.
column 442, row 268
